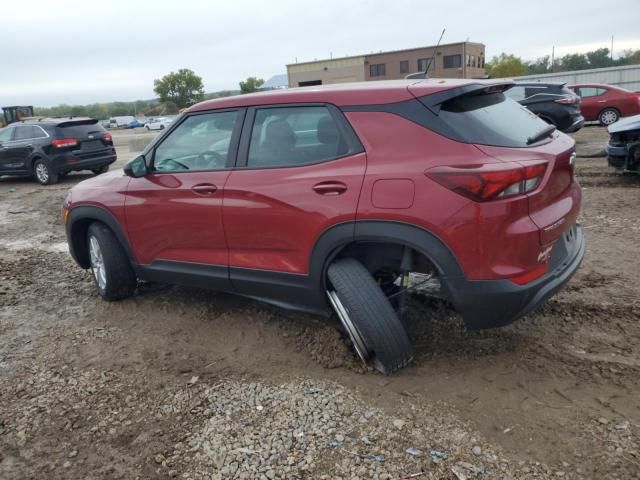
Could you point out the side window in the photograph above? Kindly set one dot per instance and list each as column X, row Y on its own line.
column 201, row 142
column 516, row 93
column 5, row 134
column 531, row 91
column 404, row 66
column 38, row 132
column 591, row 91
column 23, row 133
column 290, row 136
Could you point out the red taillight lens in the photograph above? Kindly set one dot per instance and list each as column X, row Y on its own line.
column 567, row 100
column 492, row 181
column 107, row 137
column 64, row 142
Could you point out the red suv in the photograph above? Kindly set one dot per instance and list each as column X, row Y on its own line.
column 340, row 197
column 606, row 103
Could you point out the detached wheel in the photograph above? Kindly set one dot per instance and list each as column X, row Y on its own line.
column 44, row 173
column 112, row 273
column 102, row 169
column 375, row 330
column 608, row 116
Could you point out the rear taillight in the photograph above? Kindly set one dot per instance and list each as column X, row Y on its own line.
column 64, row 142
column 491, row 181
column 107, row 137
column 567, row 100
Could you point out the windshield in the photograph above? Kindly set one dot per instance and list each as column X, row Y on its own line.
column 491, row 119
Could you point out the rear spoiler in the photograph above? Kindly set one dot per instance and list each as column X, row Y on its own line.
column 434, row 101
column 77, row 121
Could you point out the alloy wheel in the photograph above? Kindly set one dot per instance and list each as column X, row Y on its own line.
column 42, row 172
column 97, row 263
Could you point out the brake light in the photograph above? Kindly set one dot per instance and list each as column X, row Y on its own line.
column 64, row 142
column 492, row 181
column 107, row 137
column 567, row 100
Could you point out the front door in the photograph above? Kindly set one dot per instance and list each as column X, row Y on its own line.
column 174, row 214
column 6, row 153
column 300, row 172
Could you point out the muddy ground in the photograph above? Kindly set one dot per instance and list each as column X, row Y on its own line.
column 192, row 384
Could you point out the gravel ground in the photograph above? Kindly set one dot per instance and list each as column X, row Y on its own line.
column 182, row 383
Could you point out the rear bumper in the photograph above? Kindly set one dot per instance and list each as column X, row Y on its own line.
column 494, row 303
column 577, row 124
column 68, row 162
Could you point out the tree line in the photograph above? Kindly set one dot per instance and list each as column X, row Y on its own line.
column 510, row 65
column 176, row 90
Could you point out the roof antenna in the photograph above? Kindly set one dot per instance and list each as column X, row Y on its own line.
column 425, row 74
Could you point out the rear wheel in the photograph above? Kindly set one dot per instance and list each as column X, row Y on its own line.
column 373, row 326
column 112, row 273
column 44, row 173
column 608, row 116
column 102, row 169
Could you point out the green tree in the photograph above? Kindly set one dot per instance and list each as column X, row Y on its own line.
column 505, row 65
column 251, row 84
column 629, row 57
column 599, row 58
column 182, row 88
column 573, row 61
column 539, row 65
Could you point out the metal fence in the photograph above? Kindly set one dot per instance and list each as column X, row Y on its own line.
column 625, row 77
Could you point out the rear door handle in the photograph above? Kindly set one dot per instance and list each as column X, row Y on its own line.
column 330, row 188
column 602, row 101
column 204, row 189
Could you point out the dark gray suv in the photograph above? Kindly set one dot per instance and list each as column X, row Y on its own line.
column 49, row 148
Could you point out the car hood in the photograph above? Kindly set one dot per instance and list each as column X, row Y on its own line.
column 114, row 179
column 625, row 124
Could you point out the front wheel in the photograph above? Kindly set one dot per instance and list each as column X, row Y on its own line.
column 373, row 326
column 112, row 273
column 608, row 116
column 44, row 173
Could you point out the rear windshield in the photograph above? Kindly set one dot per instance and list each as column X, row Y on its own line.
column 490, row 119
column 79, row 130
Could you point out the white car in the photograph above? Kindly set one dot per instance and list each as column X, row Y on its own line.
column 158, row 123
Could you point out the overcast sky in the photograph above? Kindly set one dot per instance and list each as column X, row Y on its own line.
column 73, row 51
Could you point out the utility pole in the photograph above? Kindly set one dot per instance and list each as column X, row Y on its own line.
column 611, row 50
column 553, row 51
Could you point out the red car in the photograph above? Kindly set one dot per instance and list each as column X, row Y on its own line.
column 606, row 103
column 340, row 197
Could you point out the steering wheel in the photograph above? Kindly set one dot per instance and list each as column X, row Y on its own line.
column 203, row 162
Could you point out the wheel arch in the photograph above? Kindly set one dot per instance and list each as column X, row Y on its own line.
column 337, row 238
column 78, row 224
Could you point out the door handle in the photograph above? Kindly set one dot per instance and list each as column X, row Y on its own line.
column 330, row 188
column 602, row 101
column 204, row 189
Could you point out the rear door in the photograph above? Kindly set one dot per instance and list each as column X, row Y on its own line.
column 592, row 101
column 300, row 171
column 174, row 214
column 19, row 148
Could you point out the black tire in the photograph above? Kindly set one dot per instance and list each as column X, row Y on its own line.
column 381, row 333
column 161, row 127
column 147, row 127
column 102, row 169
column 44, row 173
column 608, row 116
column 119, row 278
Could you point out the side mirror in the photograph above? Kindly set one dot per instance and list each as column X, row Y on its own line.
column 137, row 167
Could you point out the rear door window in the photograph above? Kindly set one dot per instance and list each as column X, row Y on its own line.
column 490, row 119
column 291, row 136
column 586, row 92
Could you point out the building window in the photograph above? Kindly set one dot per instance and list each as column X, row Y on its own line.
column 404, row 66
column 377, row 70
column 452, row 61
column 422, row 64
column 473, row 61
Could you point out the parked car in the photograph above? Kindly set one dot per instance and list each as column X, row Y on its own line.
column 120, row 121
column 50, row 148
column 334, row 198
column 158, row 123
column 552, row 102
column 605, row 103
column 623, row 150
column 134, row 124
